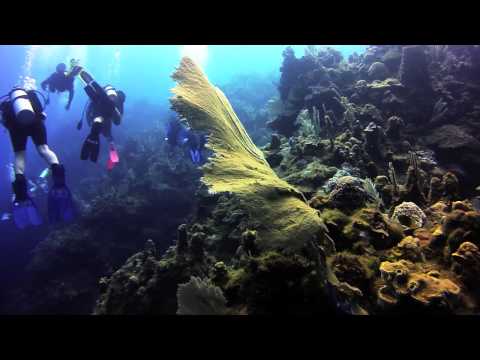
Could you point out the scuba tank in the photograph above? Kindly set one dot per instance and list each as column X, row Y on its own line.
column 22, row 106
column 117, row 98
column 110, row 91
column 96, row 93
column 104, row 99
column 99, row 96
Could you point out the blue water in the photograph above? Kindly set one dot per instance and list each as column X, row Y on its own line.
column 142, row 72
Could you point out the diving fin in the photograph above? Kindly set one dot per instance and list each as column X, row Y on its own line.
column 113, row 157
column 60, row 202
column 114, row 154
column 6, row 216
column 192, row 155
column 198, row 157
column 195, row 156
column 25, row 214
column 24, row 210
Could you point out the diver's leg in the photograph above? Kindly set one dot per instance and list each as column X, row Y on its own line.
column 20, row 162
column 24, row 211
column 18, row 137
column 107, row 130
column 60, row 203
column 91, row 145
column 39, row 137
column 47, row 154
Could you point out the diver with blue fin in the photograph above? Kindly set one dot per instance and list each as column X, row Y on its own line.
column 23, row 115
column 177, row 134
column 104, row 108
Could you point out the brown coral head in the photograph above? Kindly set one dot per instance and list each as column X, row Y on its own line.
column 466, row 251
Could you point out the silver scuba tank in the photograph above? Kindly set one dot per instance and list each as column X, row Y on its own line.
column 110, row 91
column 22, row 107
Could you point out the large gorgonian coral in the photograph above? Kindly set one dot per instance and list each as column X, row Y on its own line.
column 200, row 297
column 238, row 166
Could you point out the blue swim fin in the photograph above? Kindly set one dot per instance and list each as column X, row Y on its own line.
column 25, row 214
column 60, row 203
column 24, row 210
column 195, row 156
column 198, row 157
column 192, row 155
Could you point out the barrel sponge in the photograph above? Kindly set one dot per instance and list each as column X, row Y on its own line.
column 237, row 166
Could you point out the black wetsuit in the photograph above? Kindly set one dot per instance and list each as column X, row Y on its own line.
column 96, row 109
column 59, row 82
column 19, row 133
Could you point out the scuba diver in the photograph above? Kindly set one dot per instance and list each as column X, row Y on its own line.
column 179, row 135
column 23, row 116
column 104, row 108
column 61, row 80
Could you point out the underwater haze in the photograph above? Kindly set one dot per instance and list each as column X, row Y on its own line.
column 142, row 72
column 241, row 180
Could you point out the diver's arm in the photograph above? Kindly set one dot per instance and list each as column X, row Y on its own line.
column 45, row 83
column 71, row 93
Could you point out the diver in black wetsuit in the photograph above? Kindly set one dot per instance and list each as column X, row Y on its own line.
column 105, row 108
column 61, row 81
column 23, row 116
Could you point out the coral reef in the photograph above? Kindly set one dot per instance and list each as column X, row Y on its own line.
column 395, row 132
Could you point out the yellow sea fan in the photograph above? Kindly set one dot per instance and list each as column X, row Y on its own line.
column 239, row 167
